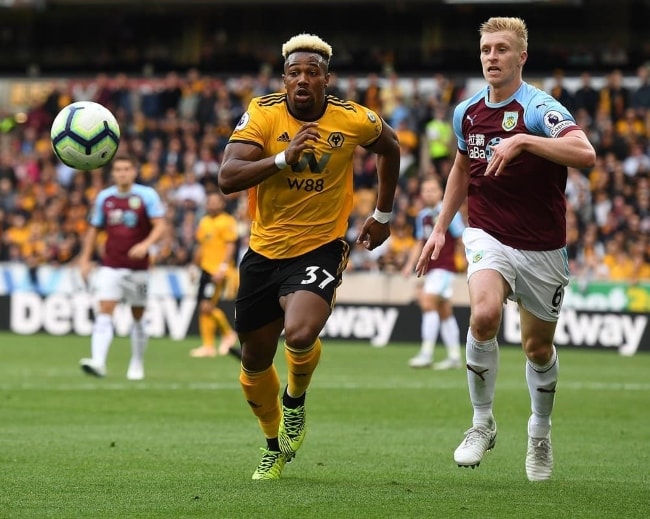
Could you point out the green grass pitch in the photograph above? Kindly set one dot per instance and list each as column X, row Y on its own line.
column 183, row 443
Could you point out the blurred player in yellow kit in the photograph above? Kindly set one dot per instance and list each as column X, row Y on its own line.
column 216, row 237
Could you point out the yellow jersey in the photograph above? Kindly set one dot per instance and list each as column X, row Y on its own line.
column 212, row 235
column 307, row 204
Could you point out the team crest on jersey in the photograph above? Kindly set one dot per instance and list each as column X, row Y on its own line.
column 243, row 121
column 134, row 202
column 477, row 257
column 372, row 117
column 510, row 121
column 336, row 139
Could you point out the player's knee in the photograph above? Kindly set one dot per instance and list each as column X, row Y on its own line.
column 300, row 337
column 538, row 352
column 485, row 323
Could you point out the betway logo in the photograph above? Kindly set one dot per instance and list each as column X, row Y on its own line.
column 361, row 322
column 608, row 330
column 61, row 314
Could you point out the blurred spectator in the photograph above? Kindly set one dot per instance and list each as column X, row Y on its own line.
column 352, row 91
column 587, row 97
column 409, row 141
column 170, row 95
column 614, row 96
column 610, row 142
column 640, row 98
column 333, row 87
column 399, row 244
column 391, row 98
column 561, row 92
column 637, row 162
column 578, row 194
column 7, row 195
column 589, row 258
column 371, row 95
column 439, row 141
column 630, row 127
column 190, row 195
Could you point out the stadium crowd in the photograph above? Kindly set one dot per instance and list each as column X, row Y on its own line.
column 178, row 125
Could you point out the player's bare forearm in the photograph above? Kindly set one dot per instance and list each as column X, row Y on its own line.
column 229, row 254
column 388, row 174
column 238, row 174
column 88, row 245
column 455, row 192
column 85, row 255
column 414, row 255
column 431, row 250
column 244, row 165
column 156, row 233
column 388, row 159
column 572, row 150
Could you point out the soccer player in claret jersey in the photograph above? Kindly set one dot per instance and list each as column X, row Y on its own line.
column 437, row 290
column 515, row 143
column 132, row 217
column 216, row 239
column 293, row 151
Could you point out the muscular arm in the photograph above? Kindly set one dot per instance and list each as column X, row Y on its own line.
column 455, row 191
column 244, row 165
column 388, row 157
column 87, row 248
column 88, row 244
column 386, row 147
column 573, row 150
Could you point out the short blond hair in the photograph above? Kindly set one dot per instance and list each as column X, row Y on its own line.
column 510, row 24
column 307, row 43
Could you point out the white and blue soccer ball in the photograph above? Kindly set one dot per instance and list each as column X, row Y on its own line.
column 85, row 135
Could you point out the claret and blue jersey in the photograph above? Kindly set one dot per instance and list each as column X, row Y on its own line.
column 126, row 218
column 524, row 207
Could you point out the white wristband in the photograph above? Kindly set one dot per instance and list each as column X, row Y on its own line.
column 382, row 217
column 280, row 160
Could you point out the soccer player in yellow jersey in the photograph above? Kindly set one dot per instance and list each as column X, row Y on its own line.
column 293, row 152
column 216, row 237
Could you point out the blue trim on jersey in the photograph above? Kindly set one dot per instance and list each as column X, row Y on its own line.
column 152, row 202
column 456, row 226
column 419, row 221
column 543, row 114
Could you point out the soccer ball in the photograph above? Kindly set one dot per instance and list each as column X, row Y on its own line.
column 85, row 135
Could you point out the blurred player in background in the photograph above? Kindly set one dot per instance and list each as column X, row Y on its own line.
column 435, row 294
column 216, row 238
column 132, row 217
column 293, row 151
column 515, row 143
